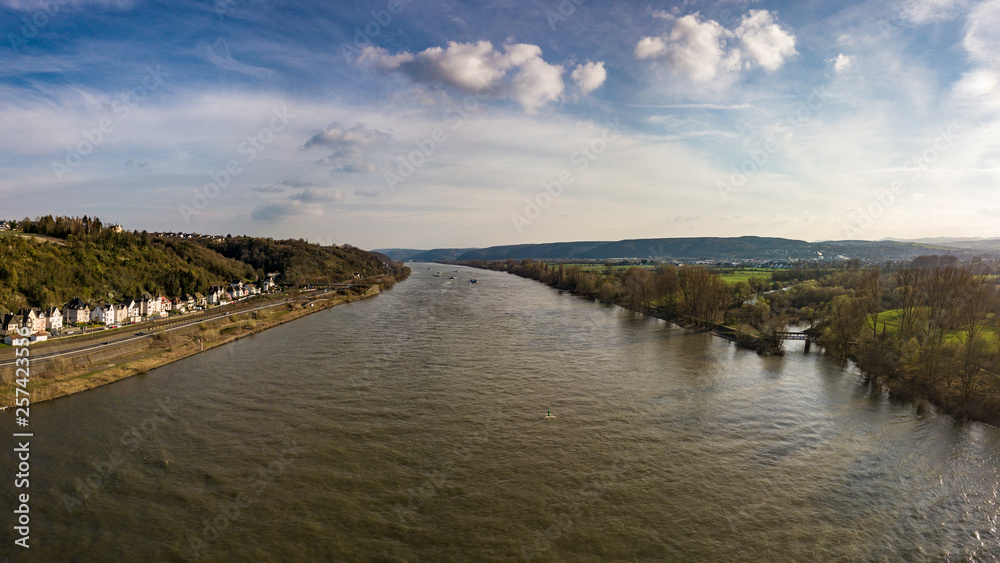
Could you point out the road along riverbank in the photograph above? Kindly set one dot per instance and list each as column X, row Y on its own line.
column 54, row 377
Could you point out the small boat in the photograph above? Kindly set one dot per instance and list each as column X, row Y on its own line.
column 473, row 280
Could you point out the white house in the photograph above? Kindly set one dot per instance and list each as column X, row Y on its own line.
column 33, row 319
column 54, row 319
column 133, row 313
column 149, row 306
column 121, row 315
column 104, row 313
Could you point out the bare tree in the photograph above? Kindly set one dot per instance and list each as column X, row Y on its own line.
column 870, row 298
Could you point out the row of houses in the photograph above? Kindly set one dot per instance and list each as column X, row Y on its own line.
column 42, row 322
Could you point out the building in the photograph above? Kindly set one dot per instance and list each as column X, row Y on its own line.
column 104, row 313
column 133, row 312
column 121, row 315
column 149, row 306
column 54, row 319
column 76, row 312
column 33, row 319
column 10, row 324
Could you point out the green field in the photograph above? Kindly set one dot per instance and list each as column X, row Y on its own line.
column 744, row 274
column 602, row 268
column 892, row 325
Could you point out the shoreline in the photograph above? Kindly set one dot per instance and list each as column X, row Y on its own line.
column 920, row 398
column 89, row 371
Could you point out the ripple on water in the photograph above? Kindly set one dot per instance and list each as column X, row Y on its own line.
column 419, row 422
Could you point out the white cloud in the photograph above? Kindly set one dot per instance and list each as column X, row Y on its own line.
column 589, row 76
column 693, row 47
column 766, row 42
column 982, row 35
column 701, row 49
column 924, row 11
column 983, row 32
column 975, row 84
column 649, row 47
column 478, row 68
column 220, row 55
column 843, row 62
column 536, row 84
column 350, row 146
column 337, row 135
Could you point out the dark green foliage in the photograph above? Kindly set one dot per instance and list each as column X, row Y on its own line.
column 85, row 259
column 297, row 261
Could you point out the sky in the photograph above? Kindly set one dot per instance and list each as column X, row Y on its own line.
column 443, row 123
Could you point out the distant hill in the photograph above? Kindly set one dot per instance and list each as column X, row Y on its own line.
column 708, row 248
column 981, row 245
column 439, row 254
column 399, row 253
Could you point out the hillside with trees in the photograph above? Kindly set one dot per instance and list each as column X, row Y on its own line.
column 52, row 260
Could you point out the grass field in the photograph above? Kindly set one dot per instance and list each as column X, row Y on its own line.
column 744, row 274
column 892, row 325
column 602, row 268
column 730, row 276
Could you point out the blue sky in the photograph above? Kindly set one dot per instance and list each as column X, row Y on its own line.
column 446, row 123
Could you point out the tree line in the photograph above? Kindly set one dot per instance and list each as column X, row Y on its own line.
column 925, row 330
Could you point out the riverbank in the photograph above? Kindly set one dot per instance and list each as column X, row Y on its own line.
column 944, row 394
column 66, row 376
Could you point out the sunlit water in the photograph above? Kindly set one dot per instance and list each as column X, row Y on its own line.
column 412, row 427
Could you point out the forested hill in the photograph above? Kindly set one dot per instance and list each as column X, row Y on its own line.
column 56, row 259
column 711, row 248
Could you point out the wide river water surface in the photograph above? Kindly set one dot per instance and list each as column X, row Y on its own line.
column 412, row 427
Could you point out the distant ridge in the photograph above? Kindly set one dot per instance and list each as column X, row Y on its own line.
column 398, row 253
column 440, row 254
column 706, row 248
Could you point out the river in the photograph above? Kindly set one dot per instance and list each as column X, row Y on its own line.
column 412, row 427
